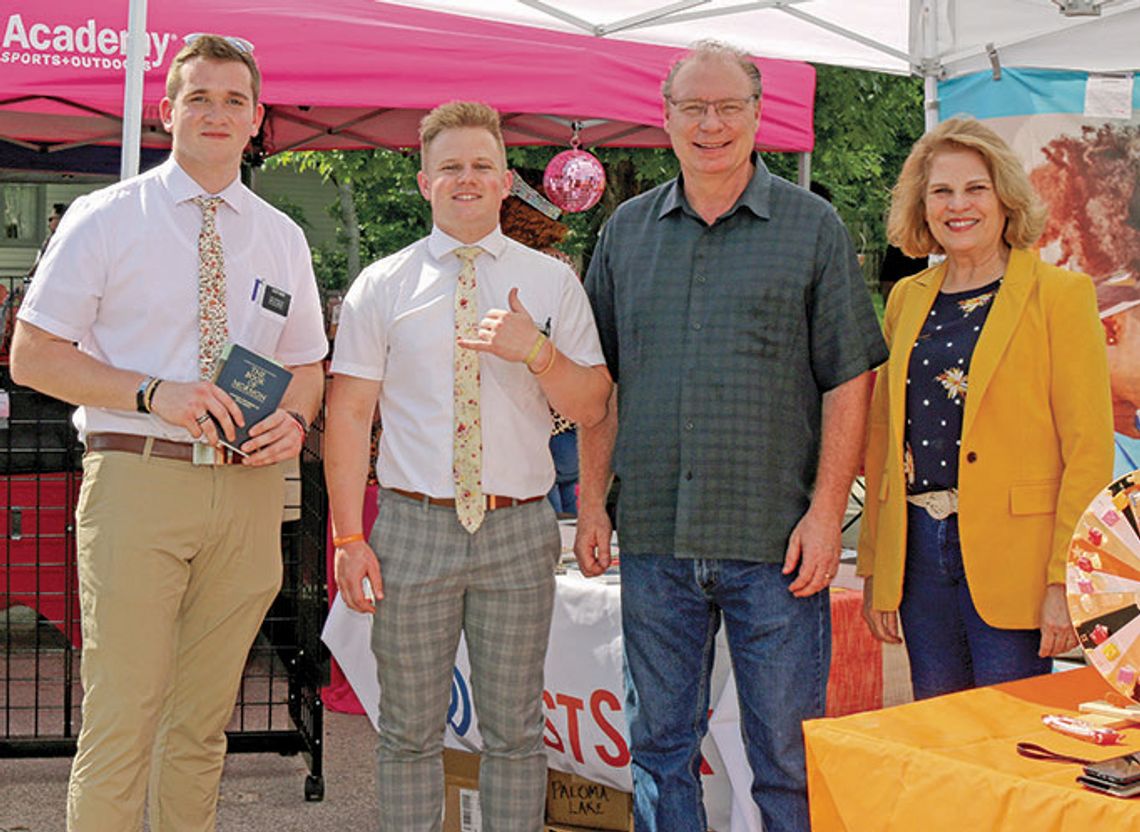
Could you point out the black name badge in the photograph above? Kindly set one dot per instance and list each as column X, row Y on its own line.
column 276, row 300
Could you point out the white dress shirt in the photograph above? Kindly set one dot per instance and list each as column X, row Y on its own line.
column 397, row 326
column 120, row 278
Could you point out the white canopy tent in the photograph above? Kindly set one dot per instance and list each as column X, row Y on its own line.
column 936, row 39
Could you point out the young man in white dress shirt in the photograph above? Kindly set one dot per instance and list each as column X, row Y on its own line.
column 486, row 566
column 179, row 551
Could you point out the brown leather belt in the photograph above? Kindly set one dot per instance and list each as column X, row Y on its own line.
column 161, row 448
column 493, row 501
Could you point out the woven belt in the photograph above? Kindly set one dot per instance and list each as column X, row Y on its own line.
column 161, row 448
column 938, row 504
column 493, row 501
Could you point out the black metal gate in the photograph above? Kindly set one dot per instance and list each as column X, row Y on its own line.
column 279, row 706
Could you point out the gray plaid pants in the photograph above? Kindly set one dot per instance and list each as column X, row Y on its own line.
column 497, row 587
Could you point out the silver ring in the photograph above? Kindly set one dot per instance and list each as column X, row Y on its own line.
column 201, row 420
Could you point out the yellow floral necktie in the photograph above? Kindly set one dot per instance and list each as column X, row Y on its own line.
column 212, row 329
column 467, row 438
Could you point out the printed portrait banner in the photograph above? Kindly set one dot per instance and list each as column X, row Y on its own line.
column 1078, row 136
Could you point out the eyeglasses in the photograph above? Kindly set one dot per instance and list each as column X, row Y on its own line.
column 240, row 44
column 727, row 109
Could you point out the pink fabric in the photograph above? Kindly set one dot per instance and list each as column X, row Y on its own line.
column 326, row 64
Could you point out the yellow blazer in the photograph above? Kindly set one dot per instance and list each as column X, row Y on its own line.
column 1036, row 438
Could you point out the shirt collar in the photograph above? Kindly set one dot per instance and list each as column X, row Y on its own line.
column 441, row 244
column 755, row 197
column 182, row 188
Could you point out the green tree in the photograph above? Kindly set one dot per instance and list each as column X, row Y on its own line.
column 378, row 211
column 865, row 124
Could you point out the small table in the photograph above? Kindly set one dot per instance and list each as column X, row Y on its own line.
column 951, row 763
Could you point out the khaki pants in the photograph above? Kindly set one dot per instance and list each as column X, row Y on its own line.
column 178, row 565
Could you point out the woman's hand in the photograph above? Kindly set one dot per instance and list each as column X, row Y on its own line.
column 883, row 625
column 1057, row 635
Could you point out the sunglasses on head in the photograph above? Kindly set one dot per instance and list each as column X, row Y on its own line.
column 240, row 44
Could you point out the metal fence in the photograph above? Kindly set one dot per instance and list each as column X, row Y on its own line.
column 279, row 707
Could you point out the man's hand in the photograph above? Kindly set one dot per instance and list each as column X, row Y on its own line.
column 1057, row 634
column 592, row 541
column 883, row 625
column 815, row 545
column 188, row 404
column 274, row 439
column 509, row 334
column 353, row 563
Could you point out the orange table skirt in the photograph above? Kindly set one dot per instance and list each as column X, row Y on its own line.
column 951, row 764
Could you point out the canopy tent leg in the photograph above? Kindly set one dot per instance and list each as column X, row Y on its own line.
column 133, row 91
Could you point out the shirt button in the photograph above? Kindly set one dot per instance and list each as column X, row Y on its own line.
column 697, row 325
column 688, row 425
column 688, row 475
column 700, row 279
column 971, row 457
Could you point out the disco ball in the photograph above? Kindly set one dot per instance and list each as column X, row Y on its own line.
column 574, row 180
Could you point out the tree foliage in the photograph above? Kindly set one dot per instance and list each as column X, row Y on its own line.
column 865, row 124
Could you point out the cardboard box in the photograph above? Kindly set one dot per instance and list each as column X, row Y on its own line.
column 461, row 792
column 581, row 804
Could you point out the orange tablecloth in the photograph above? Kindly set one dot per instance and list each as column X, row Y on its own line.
column 951, row 764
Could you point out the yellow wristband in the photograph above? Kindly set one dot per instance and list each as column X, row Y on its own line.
column 549, row 365
column 338, row 542
column 536, row 349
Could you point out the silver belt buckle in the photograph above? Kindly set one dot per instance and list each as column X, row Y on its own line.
column 205, row 454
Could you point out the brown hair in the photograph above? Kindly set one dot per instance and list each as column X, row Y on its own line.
column 1025, row 212
column 212, row 48
column 455, row 114
column 709, row 48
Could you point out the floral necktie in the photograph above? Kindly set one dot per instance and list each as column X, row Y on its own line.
column 212, row 330
column 467, row 438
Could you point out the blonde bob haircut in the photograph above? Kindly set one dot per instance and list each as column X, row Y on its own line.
column 1025, row 212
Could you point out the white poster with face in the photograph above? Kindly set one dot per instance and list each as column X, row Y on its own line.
column 1086, row 168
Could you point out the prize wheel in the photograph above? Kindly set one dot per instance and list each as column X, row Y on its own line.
column 1102, row 580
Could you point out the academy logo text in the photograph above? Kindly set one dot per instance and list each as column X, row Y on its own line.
column 87, row 46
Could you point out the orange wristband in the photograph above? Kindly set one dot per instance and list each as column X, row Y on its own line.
column 338, row 542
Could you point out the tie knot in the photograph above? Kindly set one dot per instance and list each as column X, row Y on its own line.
column 468, row 253
column 208, row 204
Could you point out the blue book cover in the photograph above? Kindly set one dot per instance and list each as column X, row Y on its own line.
column 255, row 383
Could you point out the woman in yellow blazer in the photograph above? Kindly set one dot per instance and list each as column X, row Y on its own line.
column 990, row 428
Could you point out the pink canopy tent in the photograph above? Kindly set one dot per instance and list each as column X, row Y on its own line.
column 354, row 74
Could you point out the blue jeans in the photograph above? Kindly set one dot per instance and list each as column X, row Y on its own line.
column 563, row 494
column 780, row 648
column 949, row 645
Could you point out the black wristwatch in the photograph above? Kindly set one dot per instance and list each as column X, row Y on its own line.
column 300, row 421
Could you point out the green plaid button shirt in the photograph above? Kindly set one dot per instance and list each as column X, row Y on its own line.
column 723, row 339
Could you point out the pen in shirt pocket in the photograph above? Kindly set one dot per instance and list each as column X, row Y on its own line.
column 256, row 288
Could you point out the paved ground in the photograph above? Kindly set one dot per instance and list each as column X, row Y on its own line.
column 260, row 792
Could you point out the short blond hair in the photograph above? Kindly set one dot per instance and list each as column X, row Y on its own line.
column 456, row 114
column 1025, row 212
